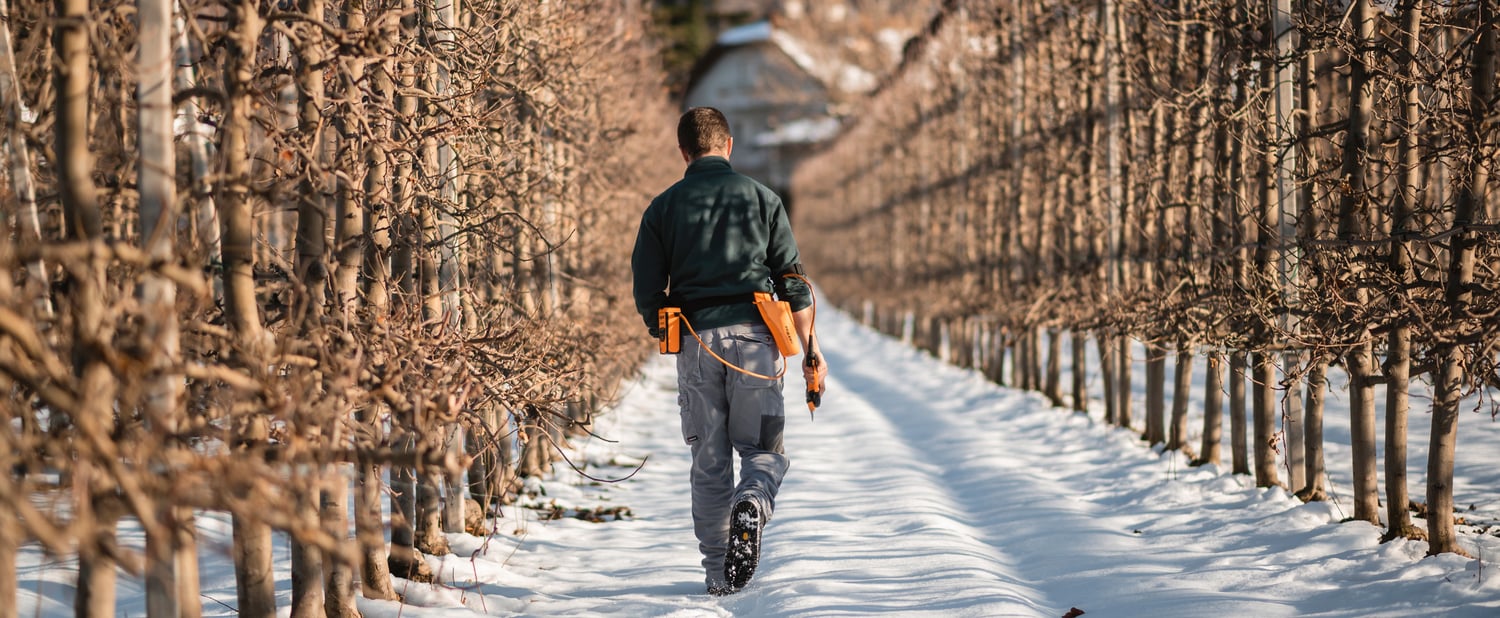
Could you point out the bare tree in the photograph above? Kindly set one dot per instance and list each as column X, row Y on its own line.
column 1458, row 293
column 1358, row 359
column 1398, row 342
column 18, row 156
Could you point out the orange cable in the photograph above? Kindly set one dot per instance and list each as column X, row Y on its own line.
column 782, row 371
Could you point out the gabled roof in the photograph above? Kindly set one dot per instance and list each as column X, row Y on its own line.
column 837, row 76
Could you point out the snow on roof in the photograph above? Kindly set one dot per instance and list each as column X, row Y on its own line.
column 840, row 75
column 800, row 131
column 745, row 35
column 832, row 72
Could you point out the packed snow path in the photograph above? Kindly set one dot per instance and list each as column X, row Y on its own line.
column 922, row 489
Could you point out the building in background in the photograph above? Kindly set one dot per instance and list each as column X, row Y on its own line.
column 787, row 79
column 783, row 97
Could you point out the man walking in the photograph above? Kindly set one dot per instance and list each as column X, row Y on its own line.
column 713, row 239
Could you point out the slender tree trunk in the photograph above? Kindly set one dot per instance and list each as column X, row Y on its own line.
column 1053, row 382
column 369, row 526
column 311, row 274
column 1284, row 215
column 338, row 569
column 1181, row 393
column 312, row 203
column 186, row 547
column 254, row 578
column 10, row 537
column 1018, row 361
column 339, row 592
column 1034, row 358
column 1313, row 462
column 405, row 560
column 96, row 388
column 1293, row 425
column 1079, row 341
column 374, row 268
column 1451, row 378
column 1122, row 386
column 156, row 182
column 307, row 559
column 1107, row 373
column 161, row 567
column 1156, row 381
column 11, row 534
column 1213, row 409
column 1358, row 360
column 1398, row 344
column 1238, row 451
column 96, row 571
column 1265, row 420
column 19, row 160
column 205, row 214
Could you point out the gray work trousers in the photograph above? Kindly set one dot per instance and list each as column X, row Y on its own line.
column 724, row 413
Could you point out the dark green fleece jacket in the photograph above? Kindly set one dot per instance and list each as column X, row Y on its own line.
column 714, row 233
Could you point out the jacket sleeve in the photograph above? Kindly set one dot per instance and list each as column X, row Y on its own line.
column 781, row 255
column 648, row 265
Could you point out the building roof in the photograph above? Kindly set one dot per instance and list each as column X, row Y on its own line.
column 836, row 75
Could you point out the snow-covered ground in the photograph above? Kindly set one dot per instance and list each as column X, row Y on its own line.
column 921, row 489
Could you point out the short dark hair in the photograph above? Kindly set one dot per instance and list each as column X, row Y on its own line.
column 702, row 129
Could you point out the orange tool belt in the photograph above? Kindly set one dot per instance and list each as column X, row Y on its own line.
column 778, row 317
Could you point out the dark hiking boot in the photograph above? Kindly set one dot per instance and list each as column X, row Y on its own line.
column 745, row 525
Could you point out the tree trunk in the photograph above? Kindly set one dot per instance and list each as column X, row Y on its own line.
column 455, row 491
column 156, row 182
column 1079, row 341
column 1293, row 426
column 1182, row 386
column 1122, row 385
column 307, row 559
column 1265, row 419
column 1472, row 195
column 96, row 571
column 1034, row 358
column 1398, row 344
column 312, row 205
column 206, row 216
column 1021, row 355
column 96, row 388
column 1239, row 455
column 1313, row 466
column 186, row 549
column 19, row 159
column 11, row 533
column 430, row 539
column 1053, row 381
column 237, row 234
column 1107, row 373
column 255, row 581
column 405, row 561
column 1156, row 381
column 369, row 527
column 310, row 272
column 1213, row 409
column 1352, row 203
column 10, row 528
column 338, row 569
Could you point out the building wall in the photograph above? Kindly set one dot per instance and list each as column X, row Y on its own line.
column 758, row 88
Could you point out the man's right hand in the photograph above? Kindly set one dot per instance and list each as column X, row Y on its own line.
column 815, row 371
